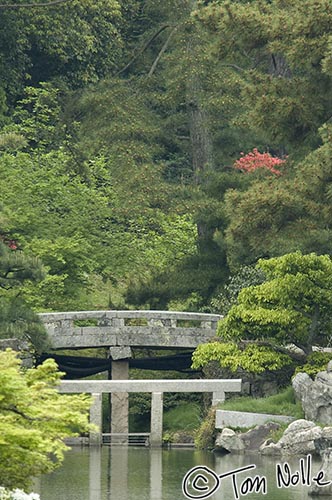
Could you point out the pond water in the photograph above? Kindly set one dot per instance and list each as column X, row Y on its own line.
column 121, row 473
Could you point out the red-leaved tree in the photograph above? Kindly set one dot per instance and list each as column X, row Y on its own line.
column 255, row 160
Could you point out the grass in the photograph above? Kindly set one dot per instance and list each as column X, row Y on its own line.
column 185, row 417
column 283, row 403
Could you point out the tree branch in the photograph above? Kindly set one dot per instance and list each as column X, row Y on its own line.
column 162, row 50
column 13, row 409
column 32, row 5
column 234, row 66
column 283, row 350
column 143, row 49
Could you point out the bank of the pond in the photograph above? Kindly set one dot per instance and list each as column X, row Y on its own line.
column 121, row 473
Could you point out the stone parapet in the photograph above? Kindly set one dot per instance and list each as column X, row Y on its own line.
column 154, row 329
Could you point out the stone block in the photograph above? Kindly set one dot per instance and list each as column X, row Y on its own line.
column 225, row 418
column 123, row 352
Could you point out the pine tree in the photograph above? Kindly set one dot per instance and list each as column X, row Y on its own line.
column 17, row 320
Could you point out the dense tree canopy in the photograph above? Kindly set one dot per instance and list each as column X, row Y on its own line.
column 76, row 42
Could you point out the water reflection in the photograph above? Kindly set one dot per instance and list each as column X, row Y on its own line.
column 95, row 473
column 118, row 472
column 121, row 473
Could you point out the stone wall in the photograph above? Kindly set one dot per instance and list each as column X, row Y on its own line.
column 226, row 418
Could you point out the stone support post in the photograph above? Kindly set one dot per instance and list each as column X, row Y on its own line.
column 218, row 397
column 120, row 400
column 156, row 432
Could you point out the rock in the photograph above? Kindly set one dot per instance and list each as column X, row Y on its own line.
column 299, row 438
column 326, row 466
column 270, row 448
column 182, row 437
column 301, row 384
column 228, row 441
column 254, row 438
column 325, row 441
column 315, row 396
column 299, row 425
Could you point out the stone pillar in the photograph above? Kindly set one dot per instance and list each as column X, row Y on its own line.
column 156, row 432
column 218, row 397
column 95, row 438
column 119, row 400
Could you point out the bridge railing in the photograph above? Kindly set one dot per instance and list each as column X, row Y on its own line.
column 129, row 439
column 129, row 328
column 121, row 318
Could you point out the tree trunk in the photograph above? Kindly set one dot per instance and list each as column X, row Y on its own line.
column 200, row 137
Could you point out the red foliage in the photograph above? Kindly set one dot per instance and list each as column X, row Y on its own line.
column 12, row 244
column 255, row 160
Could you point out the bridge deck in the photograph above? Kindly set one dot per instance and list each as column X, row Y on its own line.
column 147, row 385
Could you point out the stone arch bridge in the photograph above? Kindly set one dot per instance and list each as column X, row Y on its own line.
column 120, row 331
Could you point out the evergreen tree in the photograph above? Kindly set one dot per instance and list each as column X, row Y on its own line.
column 17, row 320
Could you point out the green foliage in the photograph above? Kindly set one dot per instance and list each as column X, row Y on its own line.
column 227, row 296
column 185, row 416
column 116, row 160
column 251, row 358
column 34, row 420
column 277, row 52
column 205, row 435
column 17, row 320
column 37, row 118
column 274, row 217
column 292, row 306
column 76, row 43
column 283, row 403
column 15, row 268
column 315, row 362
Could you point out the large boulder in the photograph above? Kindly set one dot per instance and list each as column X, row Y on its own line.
column 315, row 396
column 228, row 441
column 254, row 438
column 298, row 439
